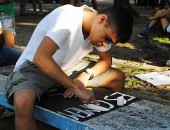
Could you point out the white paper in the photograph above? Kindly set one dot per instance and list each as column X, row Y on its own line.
column 156, row 78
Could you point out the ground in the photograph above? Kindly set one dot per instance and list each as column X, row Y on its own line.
column 136, row 56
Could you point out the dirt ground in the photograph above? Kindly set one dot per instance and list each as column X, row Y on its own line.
column 134, row 57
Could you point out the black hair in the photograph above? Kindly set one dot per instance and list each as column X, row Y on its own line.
column 120, row 19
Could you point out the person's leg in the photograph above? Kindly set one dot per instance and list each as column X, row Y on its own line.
column 9, row 56
column 9, row 38
column 23, row 7
column 24, row 100
column 40, row 6
column 148, row 29
column 24, row 88
column 113, row 79
column 8, row 27
column 165, row 23
column 34, row 6
column 155, row 18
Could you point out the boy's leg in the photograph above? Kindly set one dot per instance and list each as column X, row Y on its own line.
column 23, row 88
column 113, row 79
column 24, row 100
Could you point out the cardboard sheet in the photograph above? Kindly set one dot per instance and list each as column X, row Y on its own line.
column 156, row 78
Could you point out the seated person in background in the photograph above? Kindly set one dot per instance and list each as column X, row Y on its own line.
column 54, row 56
column 7, row 19
column 8, row 55
column 160, row 15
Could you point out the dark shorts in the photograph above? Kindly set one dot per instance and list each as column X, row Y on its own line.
column 30, row 77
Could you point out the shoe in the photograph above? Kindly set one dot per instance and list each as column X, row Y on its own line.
column 40, row 13
column 145, row 32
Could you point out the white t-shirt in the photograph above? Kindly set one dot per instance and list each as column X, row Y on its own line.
column 64, row 26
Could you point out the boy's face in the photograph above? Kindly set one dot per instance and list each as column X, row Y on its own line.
column 102, row 35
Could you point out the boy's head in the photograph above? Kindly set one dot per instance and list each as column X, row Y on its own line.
column 121, row 21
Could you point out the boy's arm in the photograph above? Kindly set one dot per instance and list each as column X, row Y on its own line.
column 103, row 64
column 100, row 67
column 44, row 61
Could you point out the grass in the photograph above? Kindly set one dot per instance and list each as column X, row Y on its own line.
column 162, row 40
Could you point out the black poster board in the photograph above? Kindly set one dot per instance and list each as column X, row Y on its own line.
column 77, row 110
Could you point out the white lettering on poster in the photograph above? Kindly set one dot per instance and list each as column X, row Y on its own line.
column 88, row 110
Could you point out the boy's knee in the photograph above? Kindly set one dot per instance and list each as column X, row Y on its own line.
column 20, row 102
column 24, row 101
column 120, row 75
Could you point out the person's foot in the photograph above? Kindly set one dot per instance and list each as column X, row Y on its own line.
column 40, row 13
column 145, row 32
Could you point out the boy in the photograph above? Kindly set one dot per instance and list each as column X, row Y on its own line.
column 53, row 56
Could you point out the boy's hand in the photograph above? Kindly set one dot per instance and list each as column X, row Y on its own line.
column 87, row 96
column 81, row 92
column 68, row 94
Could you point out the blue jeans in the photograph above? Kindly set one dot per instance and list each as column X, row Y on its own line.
column 8, row 55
